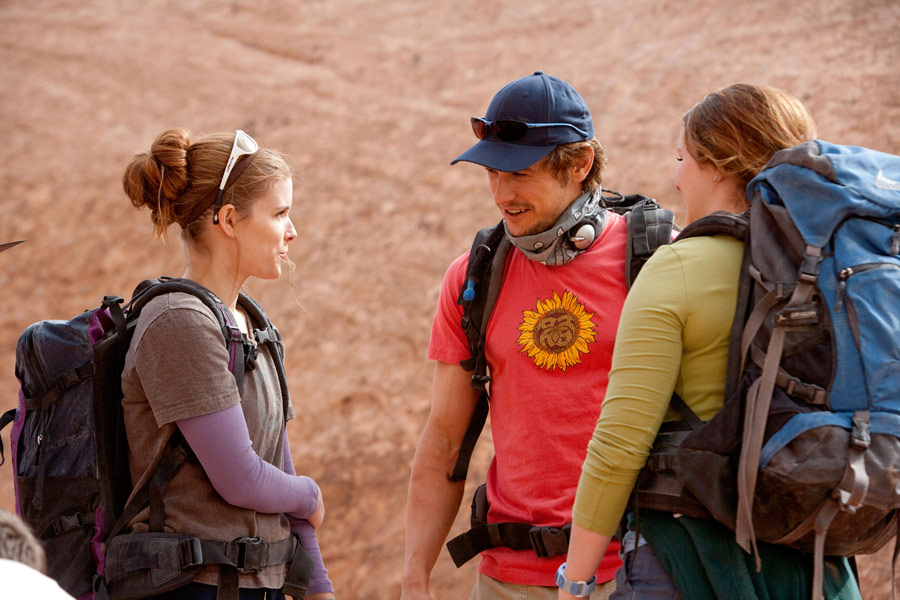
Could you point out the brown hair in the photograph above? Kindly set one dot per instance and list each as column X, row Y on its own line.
column 738, row 128
column 18, row 543
column 564, row 156
column 179, row 172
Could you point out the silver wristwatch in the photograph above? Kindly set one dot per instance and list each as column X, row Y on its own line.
column 579, row 589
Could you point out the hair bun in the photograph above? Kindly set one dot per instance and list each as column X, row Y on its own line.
column 157, row 179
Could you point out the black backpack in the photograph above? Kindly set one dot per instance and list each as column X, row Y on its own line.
column 648, row 227
column 70, row 456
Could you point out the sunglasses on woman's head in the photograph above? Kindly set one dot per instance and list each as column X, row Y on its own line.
column 511, row 131
column 243, row 145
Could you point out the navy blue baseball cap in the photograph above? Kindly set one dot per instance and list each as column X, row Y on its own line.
column 526, row 120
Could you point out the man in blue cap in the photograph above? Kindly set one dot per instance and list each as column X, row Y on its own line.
column 548, row 346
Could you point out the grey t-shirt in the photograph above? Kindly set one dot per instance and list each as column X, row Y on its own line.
column 176, row 368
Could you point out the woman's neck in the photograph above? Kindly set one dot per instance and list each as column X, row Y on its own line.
column 222, row 282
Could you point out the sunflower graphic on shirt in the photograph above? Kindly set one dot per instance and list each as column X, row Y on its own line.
column 557, row 332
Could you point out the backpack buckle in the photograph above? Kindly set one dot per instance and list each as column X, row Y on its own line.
column 860, row 437
column 480, row 382
column 265, row 336
column 809, row 269
column 250, row 552
column 190, row 552
column 549, row 541
column 66, row 523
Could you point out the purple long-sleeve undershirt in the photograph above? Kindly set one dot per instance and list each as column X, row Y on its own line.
column 243, row 479
column 318, row 581
column 238, row 474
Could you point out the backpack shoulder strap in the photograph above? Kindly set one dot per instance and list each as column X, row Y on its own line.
column 649, row 226
column 234, row 339
column 718, row 223
column 267, row 334
column 477, row 296
column 488, row 248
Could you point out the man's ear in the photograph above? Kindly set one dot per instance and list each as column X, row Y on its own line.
column 582, row 166
column 227, row 219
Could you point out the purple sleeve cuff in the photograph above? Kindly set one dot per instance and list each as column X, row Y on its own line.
column 318, row 581
column 238, row 474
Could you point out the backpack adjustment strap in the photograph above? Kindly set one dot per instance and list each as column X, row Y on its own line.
column 809, row 392
column 852, row 489
column 544, row 541
column 235, row 334
column 148, row 551
column 67, row 380
column 302, row 566
column 59, row 385
column 249, row 554
column 662, row 463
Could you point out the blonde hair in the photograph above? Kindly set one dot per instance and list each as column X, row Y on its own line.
column 566, row 155
column 179, row 172
column 738, row 128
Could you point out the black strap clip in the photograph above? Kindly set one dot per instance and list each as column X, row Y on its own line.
column 190, row 553
column 250, row 554
column 550, row 541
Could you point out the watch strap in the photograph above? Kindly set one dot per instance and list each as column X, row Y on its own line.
column 579, row 589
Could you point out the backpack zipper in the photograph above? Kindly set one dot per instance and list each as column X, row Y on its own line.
column 846, row 273
column 38, row 372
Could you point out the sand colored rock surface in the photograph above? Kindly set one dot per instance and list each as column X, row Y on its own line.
column 371, row 101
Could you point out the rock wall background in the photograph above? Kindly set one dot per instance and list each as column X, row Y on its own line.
column 371, row 100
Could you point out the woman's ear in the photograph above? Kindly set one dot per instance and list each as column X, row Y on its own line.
column 227, row 219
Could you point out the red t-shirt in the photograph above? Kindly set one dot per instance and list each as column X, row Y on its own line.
column 549, row 347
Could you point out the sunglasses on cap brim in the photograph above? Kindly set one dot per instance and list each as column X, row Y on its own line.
column 512, row 131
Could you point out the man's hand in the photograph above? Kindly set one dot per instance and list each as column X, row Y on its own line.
column 433, row 499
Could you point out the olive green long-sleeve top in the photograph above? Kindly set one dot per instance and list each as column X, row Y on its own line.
column 673, row 336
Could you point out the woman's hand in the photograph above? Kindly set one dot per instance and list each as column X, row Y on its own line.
column 320, row 596
column 316, row 519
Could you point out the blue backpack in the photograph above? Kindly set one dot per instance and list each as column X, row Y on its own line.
column 806, row 450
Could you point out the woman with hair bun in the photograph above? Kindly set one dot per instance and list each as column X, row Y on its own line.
column 673, row 336
column 232, row 201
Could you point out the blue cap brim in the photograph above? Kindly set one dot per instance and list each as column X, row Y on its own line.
column 503, row 156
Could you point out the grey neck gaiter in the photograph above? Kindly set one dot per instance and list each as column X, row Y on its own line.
column 553, row 247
